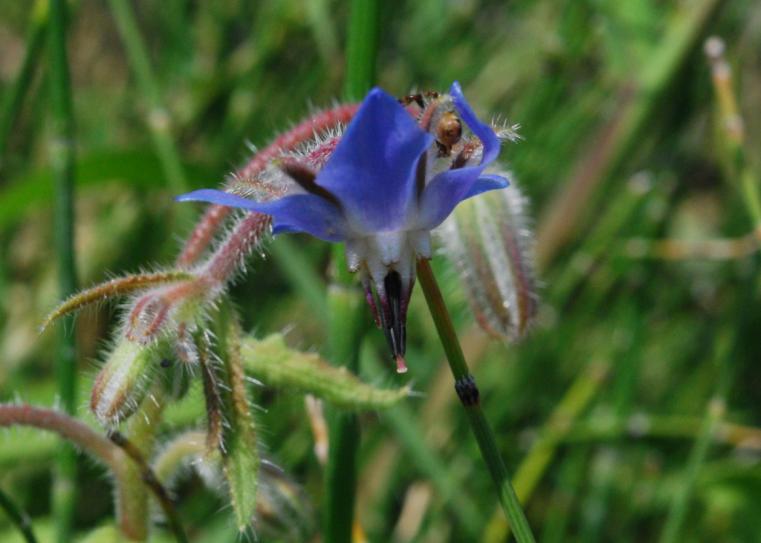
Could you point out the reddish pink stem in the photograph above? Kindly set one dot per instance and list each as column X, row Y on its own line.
column 201, row 235
column 244, row 237
column 88, row 440
column 214, row 216
column 65, row 426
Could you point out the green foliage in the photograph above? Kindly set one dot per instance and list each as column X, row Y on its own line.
column 619, row 123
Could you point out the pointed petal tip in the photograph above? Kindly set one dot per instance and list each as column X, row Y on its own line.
column 201, row 195
column 401, row 364
column 378, row 97
column 376, row 92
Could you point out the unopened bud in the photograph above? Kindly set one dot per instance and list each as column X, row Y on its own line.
column 490, row 242
column 123, row 381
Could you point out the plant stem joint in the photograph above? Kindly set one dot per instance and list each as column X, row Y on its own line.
column 467, row 390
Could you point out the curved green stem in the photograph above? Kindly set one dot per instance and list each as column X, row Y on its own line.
column 468, row 393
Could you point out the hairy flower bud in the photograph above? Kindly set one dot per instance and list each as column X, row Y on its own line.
column 491, row 244
column 123, row 381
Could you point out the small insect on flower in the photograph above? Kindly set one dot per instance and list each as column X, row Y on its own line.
column 397, row 171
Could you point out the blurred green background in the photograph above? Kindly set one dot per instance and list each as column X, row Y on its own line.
column 634, row 404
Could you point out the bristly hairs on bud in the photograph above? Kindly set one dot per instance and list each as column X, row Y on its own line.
column 120, row 286
column 123, row 381
column 491, row 244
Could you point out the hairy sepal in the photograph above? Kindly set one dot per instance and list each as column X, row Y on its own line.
column 240, row 454
column 123, row 381
column 120, row 286
column 272, row 361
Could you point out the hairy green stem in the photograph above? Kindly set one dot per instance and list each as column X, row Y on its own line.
column 148, row 476
column 141, row 432
column 468, row 394
column 62, row 163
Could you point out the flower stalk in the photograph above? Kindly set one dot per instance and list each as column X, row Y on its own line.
column 467, row 391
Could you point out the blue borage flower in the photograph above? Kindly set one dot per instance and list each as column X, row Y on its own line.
column 395, row 175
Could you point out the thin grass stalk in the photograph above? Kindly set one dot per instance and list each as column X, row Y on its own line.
column 571, row 204
column 539, row 457
column 158, row 117
column 407, row 429
column 469, row 397
column 19, row 519
column 733, row 131
column 712, row 421
column 13, row 100
column 299, row 271
column 344, row 338
column 361, row 48
column 733, row 140
column 345, row 332
column 62, row 158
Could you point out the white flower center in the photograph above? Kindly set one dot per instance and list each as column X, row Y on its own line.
column 384, row 251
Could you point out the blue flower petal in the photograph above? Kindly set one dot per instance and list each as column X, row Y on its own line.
column 482, row 131
column 448, row 189
column 486, row 183
column 297, row 213
column 372, row 170
column 218, row 197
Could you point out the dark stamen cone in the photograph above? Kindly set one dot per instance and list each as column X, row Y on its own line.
column 393, row 313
